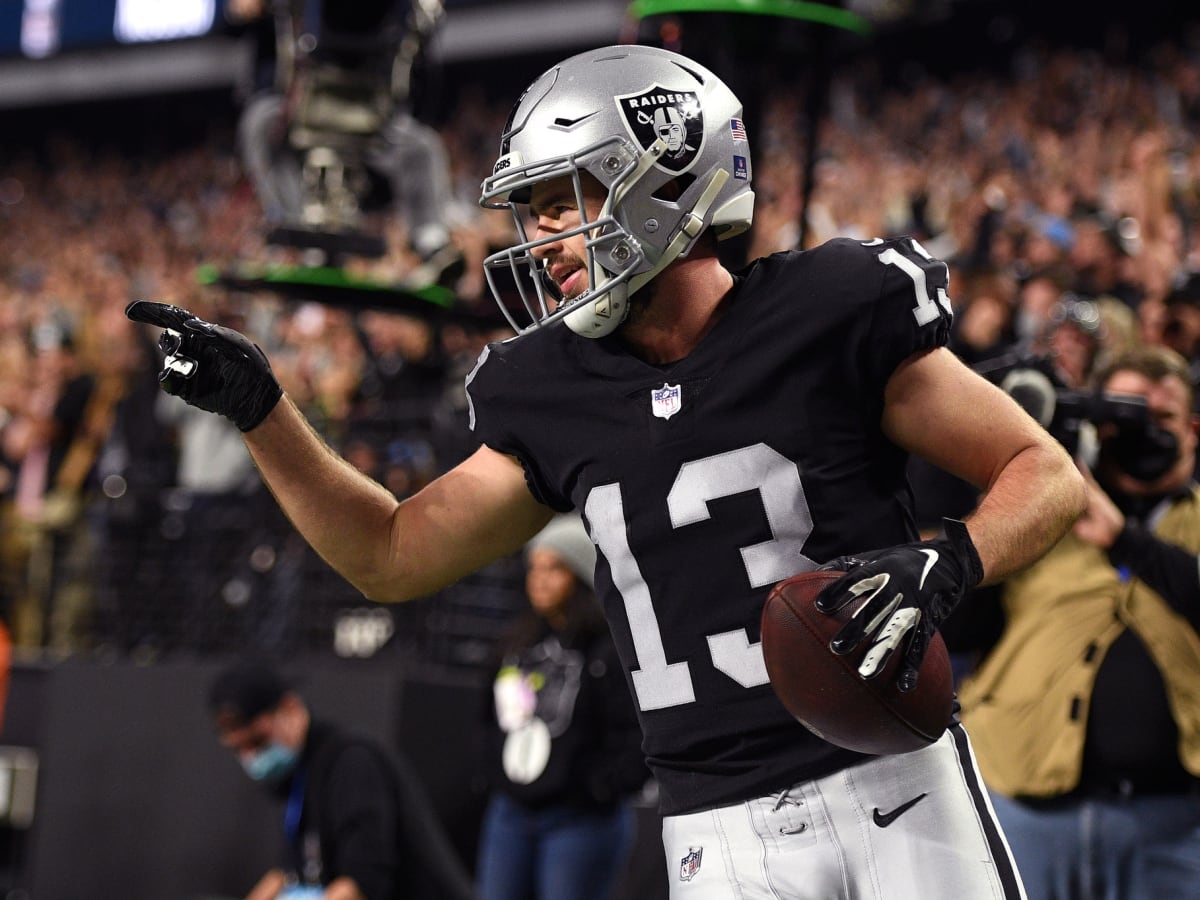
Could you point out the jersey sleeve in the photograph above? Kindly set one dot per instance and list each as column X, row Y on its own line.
column 912, row 312
column 496, row 396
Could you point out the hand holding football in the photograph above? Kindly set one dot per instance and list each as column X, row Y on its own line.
column 825, row 692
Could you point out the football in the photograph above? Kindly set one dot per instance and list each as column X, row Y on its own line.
column 825, row 692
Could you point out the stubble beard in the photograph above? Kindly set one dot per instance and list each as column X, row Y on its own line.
column 639, row 304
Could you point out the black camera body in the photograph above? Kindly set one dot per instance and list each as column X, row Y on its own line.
column 1089, row 424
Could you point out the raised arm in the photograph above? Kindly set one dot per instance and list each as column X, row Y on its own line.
column 478, row 512
column 475, row 513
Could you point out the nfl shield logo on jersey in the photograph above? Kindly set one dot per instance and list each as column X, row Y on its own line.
column 689, row 866
column 666, row 400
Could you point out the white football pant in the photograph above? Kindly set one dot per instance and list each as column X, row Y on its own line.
column 918, row 826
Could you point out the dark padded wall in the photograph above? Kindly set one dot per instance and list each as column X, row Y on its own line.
column 137, row 800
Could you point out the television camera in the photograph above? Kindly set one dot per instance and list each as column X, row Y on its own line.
column 346, row 73
column 1085, row 422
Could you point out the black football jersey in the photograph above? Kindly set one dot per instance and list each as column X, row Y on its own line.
column 705, row 482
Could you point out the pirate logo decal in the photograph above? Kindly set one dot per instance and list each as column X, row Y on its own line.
column 674, row 116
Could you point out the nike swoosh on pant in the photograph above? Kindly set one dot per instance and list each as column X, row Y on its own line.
column 884, row 819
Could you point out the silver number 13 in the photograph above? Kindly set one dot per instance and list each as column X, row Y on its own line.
column 658, row 683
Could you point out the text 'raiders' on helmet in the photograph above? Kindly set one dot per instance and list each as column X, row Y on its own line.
column 662, row 134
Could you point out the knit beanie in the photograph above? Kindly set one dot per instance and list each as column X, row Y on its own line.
column 566, row 536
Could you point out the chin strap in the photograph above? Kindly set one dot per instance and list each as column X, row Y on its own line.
column 584, row 321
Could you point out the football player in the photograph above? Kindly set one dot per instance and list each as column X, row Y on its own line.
column 719, row 431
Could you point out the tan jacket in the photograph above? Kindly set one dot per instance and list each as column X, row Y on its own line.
column 1026, row 706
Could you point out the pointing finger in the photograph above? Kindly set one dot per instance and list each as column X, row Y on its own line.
column 164, row 315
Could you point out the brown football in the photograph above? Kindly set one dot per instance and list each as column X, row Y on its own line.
column 825, row 692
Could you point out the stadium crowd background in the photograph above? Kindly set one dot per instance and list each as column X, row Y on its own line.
column 1067, row 168
column 1038, row 162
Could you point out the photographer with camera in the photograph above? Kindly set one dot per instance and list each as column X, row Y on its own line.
column 1084, row 716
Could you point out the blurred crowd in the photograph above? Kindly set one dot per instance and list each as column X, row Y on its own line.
column 1064, row 193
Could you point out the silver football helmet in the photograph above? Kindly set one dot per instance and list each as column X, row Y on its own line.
column 637, row 119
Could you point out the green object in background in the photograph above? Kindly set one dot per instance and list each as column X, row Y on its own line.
column 287, row 278
column 336, row 288
column 785, row 9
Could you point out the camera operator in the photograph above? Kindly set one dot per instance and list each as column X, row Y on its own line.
column 1048, row 374
column 1085, row 715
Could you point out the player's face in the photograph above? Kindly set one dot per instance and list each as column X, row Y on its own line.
column 549, row 582
column 556, row 208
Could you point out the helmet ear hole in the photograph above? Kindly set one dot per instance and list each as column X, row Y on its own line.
column 672, row 190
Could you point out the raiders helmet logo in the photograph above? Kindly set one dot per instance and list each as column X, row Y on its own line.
column 675, row 116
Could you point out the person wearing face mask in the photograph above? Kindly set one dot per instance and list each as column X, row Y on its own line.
column 1084, row 714
column 357, row 822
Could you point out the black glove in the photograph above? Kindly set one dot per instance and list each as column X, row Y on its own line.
column 210, row 366
column 910, row 588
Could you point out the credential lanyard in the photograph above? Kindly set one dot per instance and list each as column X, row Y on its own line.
column 295, row 806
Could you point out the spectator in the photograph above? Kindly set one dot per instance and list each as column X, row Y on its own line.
column 404, row 374
column 213, row 517
column 357, row 822
column 563, row 745
column 984, row 325
column 1119, row 326
column 1072, row 340
column 56, row 445
column 136, row 468
column 1036, row 300
column 1181, row 330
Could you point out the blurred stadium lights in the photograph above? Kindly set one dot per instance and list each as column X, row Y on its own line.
column 506, row 29
column 81, row 57
column 108, row 73
column 54, row 51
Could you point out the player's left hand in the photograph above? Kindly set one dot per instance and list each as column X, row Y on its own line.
column 909, row 590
